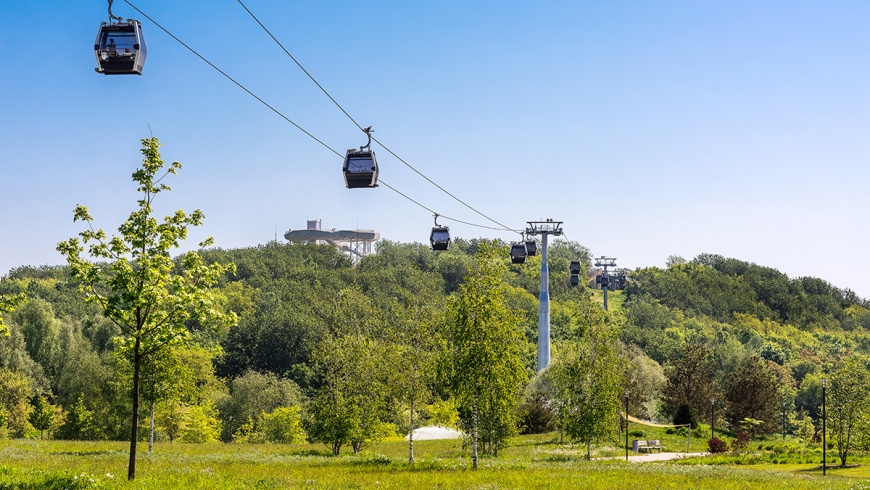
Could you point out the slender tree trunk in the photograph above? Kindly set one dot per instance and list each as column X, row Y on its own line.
column 134, row 431
column 411, row 435
column 474, row 436
column 151, row 435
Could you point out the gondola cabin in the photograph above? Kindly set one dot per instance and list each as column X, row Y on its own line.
column 440, row 238
column 360, row 169
column 120, row 48
column 518, row 253
column 574, row 267
column 531, row 248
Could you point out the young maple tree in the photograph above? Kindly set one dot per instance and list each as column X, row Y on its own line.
column 136, row 283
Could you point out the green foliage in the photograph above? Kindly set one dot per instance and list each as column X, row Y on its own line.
column 488, row 373
column 684, row 416
column 200, row 425
column 283, row 425
column 716, row 286
column 15, row 395
column 355, row 374
column 252, row 394
column 45, row 417
column 8, row 303
column 330, row 419
column 753, row 395
column 141, row 289
column 691, row 382
column 80, row 423
column 537, row 414
column 41, row 330
column 251, row 345
column 443, row 413
column 587, row 377
column 848, row 406
column 645, row 380
column 414, row 350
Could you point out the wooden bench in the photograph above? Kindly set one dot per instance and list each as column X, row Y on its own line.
column 640, row 446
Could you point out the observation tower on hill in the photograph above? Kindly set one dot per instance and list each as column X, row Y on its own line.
column 356, row 243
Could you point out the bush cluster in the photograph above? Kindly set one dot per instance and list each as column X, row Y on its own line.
column 717, row 445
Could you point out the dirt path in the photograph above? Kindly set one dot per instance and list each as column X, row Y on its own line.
column 647, row 457
column 642, row 458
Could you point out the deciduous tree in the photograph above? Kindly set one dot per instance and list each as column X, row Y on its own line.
column 691, row 381
column 848, row 405
column 753, row 392
column 486, row 358
column 8, row 303
column 137, row 285
column 351, row 404
column 15, row 393
column 587, row 377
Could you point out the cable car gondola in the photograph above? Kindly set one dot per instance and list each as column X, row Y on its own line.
column 120, row 46
column 518, row 253
column 575, row 269
column 531, row 247
column 361, row 167
column 440, row 236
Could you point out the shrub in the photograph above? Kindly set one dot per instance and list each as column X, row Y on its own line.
column 537, row 414
column 717, row 445
column 201, row 426
column 283, row 425
column 741, row 443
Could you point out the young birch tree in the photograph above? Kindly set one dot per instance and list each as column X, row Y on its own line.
column 486, row 342
column 586, row 377
column 848, row 405
column 138, row 286
column 413, row 356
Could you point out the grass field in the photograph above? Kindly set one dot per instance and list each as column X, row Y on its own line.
column 530, row 462
column 615, row 299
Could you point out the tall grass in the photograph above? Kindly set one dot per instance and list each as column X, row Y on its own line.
column 531, row 462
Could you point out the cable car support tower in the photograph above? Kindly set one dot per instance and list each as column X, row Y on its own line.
column 604, row 279
column 545, row 229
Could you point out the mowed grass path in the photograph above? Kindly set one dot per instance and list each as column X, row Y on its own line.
column 530, row 463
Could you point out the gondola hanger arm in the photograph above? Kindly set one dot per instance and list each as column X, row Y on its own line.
column 368, row 131
column 113, row 16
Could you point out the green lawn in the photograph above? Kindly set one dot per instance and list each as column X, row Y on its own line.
column 530, row 462
column 615, row 299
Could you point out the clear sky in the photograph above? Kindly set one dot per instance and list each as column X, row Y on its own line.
column 649, row 128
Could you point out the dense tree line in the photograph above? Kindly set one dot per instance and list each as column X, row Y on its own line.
column 346, row 353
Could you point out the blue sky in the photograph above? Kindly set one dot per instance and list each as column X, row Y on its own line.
column 649, row 128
